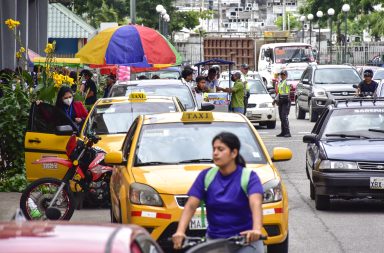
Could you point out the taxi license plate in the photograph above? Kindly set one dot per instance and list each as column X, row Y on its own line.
column 376, row 183
column 196, row 224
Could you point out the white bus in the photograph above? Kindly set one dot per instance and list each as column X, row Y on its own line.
column 275, row 57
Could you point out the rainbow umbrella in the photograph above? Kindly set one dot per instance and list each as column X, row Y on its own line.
column 130, row 45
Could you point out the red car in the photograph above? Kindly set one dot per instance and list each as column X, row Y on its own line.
column 55, row 237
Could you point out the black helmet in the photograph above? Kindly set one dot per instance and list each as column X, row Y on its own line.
column 284, row 72
column 368, row 72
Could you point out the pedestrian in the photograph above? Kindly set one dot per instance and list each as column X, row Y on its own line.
column 200, row 90
column 74, row 110
column 89, row 88
column 237, row 98
column 187, row 76
column 234, row 206
column 111, row 79
column 367, row 86
column 212, row 83
column 244, row 78
column 284, row 103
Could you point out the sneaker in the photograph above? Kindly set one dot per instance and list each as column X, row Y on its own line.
column 287, row 135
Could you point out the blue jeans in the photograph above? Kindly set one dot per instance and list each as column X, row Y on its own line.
column 254, row 247
column 238, row 109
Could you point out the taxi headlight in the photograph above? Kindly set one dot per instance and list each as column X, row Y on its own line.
column 266, row 105
column 337, row 165
column 144, row 195
column 319, row 92
column 272, row 191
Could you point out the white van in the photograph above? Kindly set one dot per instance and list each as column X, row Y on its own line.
column 275, row 57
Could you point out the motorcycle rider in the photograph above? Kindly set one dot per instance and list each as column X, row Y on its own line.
column 367, row 86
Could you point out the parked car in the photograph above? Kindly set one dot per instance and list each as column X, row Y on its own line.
column 344, row 157
column 320, row 85
column 51, row 237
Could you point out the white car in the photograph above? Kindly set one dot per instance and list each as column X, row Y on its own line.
column 260, row 108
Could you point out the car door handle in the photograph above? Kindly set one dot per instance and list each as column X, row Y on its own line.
column 34, row 140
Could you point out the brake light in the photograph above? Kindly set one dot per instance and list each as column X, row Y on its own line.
column 71, row 145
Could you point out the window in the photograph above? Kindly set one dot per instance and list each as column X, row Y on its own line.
column 128, row 139
column 336, row 76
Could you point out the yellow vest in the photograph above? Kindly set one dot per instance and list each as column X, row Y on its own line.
column 284, row 88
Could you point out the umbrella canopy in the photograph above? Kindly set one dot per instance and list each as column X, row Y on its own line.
column 129, row 45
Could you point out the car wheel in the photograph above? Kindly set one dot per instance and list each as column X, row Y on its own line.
column 311, row 190
column 279, row 248
column 271, row 125
column 312, row 114
column 300, row 113
column 322, row 202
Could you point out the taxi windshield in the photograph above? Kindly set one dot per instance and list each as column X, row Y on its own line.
column 174, row 143
column 118, row 117
column 365, row 122
column 180, row 91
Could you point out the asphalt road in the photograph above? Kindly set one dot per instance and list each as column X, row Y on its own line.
column 350, row 226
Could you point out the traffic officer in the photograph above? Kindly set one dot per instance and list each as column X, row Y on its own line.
column 244, row 78
column 284, row 103
column 367, row 86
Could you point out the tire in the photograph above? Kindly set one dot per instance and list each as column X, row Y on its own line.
column 41, row 197
column 300, row 113
column 312, row 190
column 322, row 202
column 312, row 114
column 280, row 247
column 271, row 125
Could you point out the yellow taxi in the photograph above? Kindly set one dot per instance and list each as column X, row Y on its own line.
column 161, row 157
column 110, row 118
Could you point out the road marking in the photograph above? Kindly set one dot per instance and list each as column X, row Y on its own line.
column 304, row 132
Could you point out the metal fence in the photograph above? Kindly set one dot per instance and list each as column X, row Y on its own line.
column 355, row 54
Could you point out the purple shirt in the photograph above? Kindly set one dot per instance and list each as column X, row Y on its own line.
column 228, row 210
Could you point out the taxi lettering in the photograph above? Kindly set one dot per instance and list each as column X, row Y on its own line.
column 198, row 116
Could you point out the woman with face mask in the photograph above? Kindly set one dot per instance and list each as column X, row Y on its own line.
column 74, row 110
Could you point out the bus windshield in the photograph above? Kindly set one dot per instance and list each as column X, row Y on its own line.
column 293, row 54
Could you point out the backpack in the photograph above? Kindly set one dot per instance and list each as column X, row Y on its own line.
column 245, row 176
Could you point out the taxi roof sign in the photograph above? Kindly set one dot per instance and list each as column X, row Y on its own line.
column 137, row 95
column 197, row 117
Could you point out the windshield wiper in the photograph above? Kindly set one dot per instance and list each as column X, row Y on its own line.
column 203, row 160
column 376, row 130
column 152, row 163
column 347, row 136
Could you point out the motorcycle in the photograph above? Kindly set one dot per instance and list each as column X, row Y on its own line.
column 53, row 199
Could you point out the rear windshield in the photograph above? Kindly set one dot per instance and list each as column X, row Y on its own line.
column 175, row 143
column 336, row 76
column 294, row 74
column 117, row 118
column 161, row 74
column 180, row 91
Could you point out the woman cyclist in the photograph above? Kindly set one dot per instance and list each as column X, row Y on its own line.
column 230, row 211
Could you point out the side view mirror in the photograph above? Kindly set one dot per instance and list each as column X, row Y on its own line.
column 355, row 86
column 114, row 158
column 305, row 81
column 64, row 130
column 207, row 107
column 311, row 138
column 281, row 154
column 271, row 90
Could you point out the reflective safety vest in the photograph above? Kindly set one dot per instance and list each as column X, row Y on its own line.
column 284, row 88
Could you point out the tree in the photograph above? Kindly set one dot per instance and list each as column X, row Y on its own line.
column 293, row 22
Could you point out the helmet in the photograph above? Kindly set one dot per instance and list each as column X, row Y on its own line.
column 368, row 72
column 244, row 66
column 283, row 72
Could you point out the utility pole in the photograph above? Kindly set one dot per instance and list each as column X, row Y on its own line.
column 284, row 16
column 219, row 16
column 133, row 11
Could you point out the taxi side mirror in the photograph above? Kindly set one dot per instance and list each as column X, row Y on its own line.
column 114, row 158
column 310, row 138
column 355, row 86
column 207, row 107
column 64, row 130
column 281, row 154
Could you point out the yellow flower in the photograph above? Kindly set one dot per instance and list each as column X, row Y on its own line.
column 49, row 48
column 22, row 50
column 12, row 24
column 70, row 80
column 18, row 55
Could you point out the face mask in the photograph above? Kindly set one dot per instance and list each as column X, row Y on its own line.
column 68, row 101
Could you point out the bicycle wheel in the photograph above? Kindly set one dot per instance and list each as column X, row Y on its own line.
column 36, row 197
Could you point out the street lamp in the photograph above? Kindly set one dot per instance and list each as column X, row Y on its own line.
column 330, row 12
column 302, row 19
column 319, row 14
column 166, row 21
column 160, row 9
column 345, row 9
column 310, row 18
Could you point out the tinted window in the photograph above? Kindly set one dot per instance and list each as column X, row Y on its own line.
column 180, row 91
column 177, row 142
column 356, row 121
column 336, row 76
column 118, row 117
column 45, row 118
